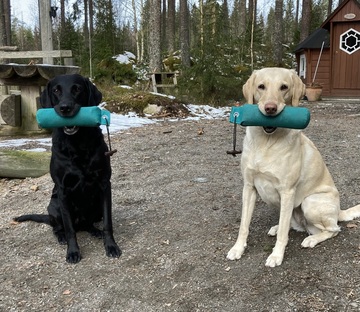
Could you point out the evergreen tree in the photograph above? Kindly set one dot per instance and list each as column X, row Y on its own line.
column 104, row 38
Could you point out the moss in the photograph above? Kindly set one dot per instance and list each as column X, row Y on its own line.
column 22, row 164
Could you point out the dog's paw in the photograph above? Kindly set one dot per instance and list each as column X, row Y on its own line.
column 274, row 260
column 235, row 253
column 113, row 250
column 273, row 230
column 309, row 242
column 73, row 257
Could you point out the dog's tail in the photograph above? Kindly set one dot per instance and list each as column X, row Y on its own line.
column 349, row 214
column 39, row 218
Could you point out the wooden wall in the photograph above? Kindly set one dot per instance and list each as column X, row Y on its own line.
column 323, row 71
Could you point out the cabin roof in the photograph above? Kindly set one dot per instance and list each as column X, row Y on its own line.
column 315, row 40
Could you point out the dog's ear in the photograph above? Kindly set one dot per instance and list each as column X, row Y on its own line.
column 95, row 96
column 45, row 97
column 249, row 88
column 298, row 89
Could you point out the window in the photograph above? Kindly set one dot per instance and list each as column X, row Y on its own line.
column 350, row 41
column 302, row 66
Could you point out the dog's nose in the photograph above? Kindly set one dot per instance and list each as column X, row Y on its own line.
column 271, row 108
column 64, row 108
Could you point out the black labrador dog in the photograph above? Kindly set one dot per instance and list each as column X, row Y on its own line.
column 80, row 169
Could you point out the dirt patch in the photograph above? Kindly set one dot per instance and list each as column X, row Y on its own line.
column 177, row 201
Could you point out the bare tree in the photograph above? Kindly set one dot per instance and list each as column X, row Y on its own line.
column 278, row 33
column 155, row 36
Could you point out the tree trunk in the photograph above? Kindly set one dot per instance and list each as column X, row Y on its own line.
column 142, row 33
column 136, row 32
column 278, row 33
column 5, row 23
column 62, row 24
column 184, row 33
column 62, row 13
column 86, row 25
column 91, row 33
column 297, row 14
column 252, row 11
column 330, row 3
column 155, row 36
column 91, row 18
column 242, row 17
column 163, row 13
column 170, row 28
column 201, row 4
column 305, row 20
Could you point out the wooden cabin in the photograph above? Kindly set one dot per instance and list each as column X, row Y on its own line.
column 331, row 54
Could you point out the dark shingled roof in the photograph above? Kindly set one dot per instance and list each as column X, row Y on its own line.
column 315, row 40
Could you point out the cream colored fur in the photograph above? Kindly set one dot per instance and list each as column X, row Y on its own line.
column 286, row 170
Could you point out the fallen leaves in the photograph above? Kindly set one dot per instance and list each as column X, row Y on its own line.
column 351, row 225
column 66, row 292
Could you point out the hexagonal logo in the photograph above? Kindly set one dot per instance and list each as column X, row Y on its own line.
column 350, row 41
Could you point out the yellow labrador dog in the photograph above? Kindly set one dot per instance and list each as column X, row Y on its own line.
column 284, row 167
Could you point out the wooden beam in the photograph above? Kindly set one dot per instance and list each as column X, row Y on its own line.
column 34, row 54
column 9, row 48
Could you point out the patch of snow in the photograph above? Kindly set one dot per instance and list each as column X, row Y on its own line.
column 208, row 112
column 125, row 58
column 20, row 142
column 164, row 95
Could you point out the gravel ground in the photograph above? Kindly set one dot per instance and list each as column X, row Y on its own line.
column 176, row 211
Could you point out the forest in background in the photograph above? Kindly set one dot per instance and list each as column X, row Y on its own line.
column 213, row 44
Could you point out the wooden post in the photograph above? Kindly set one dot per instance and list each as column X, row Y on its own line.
column 46, row 29
column 29, row 107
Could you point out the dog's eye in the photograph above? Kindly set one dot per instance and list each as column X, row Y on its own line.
column 284, row 87
column 261, row 86
column 76, row 88
column 56, row 90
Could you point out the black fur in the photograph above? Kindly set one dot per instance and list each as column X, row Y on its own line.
column 80, row 170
